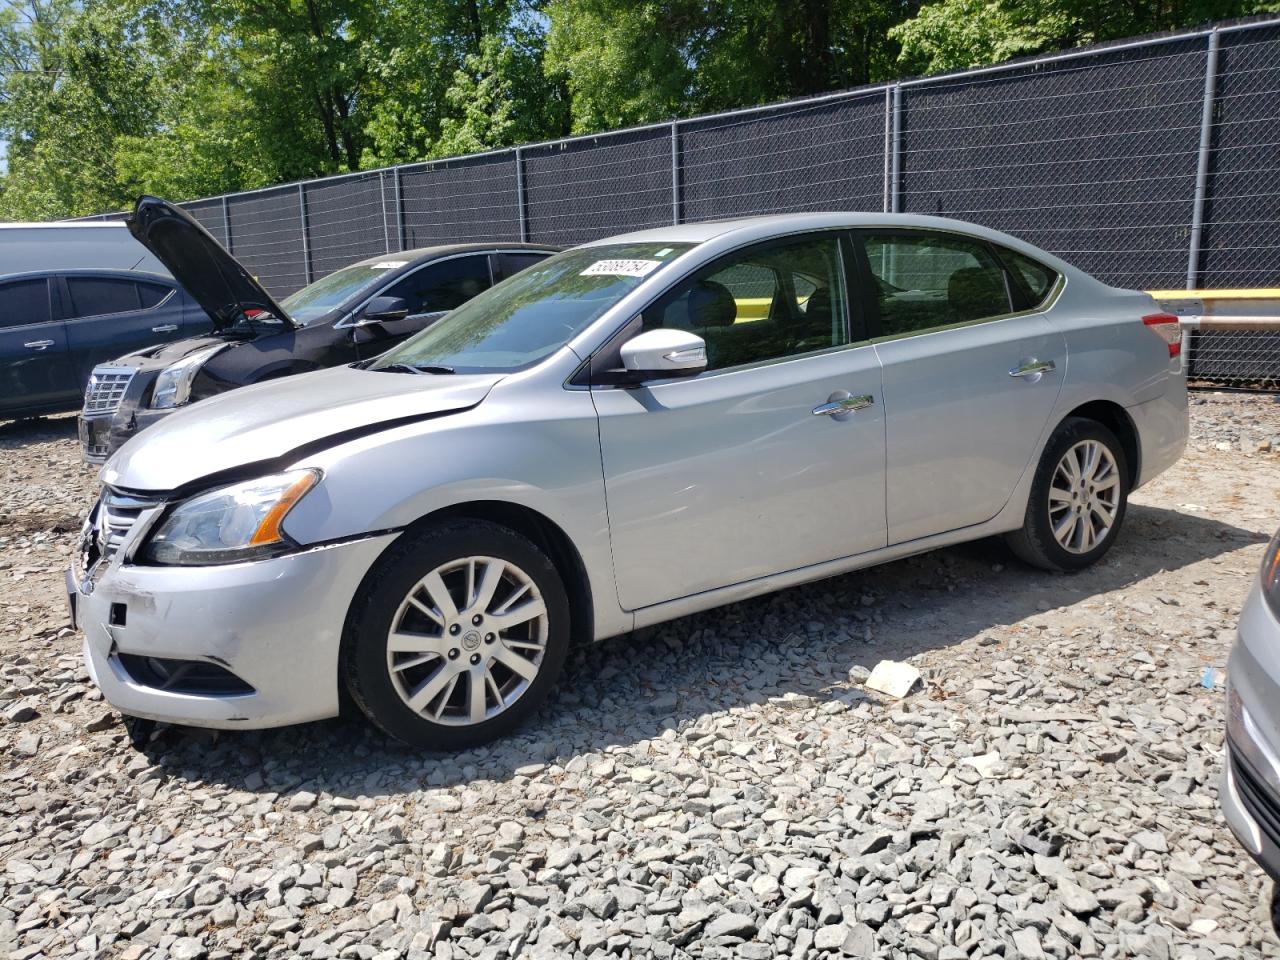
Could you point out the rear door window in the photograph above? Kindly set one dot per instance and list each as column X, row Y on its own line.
column 24, row 302
column 98, row 296
column 513, row 263
column 927, row 281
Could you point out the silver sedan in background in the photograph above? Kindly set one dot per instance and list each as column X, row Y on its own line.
column 1250, row 791
column 628, row 432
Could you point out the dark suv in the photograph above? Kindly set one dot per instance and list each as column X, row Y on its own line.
column 354, row 313
column 55, row 325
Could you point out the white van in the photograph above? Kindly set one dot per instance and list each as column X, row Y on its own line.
column 107, row 245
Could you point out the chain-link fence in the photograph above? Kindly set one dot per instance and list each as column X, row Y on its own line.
column 1151, row 164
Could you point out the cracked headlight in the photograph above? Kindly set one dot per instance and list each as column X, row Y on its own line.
column 230, row 524
column 173, row 386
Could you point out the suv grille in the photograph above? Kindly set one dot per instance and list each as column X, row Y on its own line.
column 105, row 391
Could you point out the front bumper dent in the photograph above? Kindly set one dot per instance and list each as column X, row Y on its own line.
column 275, row 624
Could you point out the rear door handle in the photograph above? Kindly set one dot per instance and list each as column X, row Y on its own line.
column 1031, row 368
column 38, row 344
column 841, row 402
column 165, row 328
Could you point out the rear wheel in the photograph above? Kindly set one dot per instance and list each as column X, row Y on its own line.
column 1078, row 498
column 460, row 634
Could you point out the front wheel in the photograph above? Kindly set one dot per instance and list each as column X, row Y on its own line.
column 1078, row 498
column 460, row 634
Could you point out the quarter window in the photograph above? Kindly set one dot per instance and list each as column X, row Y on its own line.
column 95, row 296
column 1036, row 277
column 23, row 302
column 928, row 281
column 442, row 286
column 772, row 301
column 152, row 294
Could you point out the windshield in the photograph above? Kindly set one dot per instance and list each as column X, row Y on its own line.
column 328, row 293
column 531, row 315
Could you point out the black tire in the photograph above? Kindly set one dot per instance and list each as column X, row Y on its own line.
column 1035, row 543
column 364, row 646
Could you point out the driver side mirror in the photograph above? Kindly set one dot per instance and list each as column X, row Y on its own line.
column 663, row 354
column 382, row 309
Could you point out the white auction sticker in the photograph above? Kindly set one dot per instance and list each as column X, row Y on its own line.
column 621, row 268
column 388, row 264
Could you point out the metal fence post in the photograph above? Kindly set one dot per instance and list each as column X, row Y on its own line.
column 226, row 224
column 524, row 220
column 676, row 198
column 1202, row 162
column 895, row 164
column 888, row 145
column 306, row 233
column 382, row 202
column 395, row 182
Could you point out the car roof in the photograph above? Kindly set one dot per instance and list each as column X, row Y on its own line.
column 726, row 234
column 453, row 249
column 119, row 272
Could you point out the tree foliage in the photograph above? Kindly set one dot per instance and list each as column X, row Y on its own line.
column 101, row 100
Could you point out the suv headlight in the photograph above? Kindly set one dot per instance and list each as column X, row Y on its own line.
column 173, row 386
column 1270, row 574
column 230, row 524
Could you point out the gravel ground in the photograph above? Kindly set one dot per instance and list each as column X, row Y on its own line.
column 721, row 786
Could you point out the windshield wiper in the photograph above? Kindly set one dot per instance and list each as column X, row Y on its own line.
column 415, row 368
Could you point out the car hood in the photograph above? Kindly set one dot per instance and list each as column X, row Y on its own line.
column 217, row 280
column 163, row 354
column 271, row 423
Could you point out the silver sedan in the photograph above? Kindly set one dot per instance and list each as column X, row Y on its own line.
column 630, row 431
column 1250, row 791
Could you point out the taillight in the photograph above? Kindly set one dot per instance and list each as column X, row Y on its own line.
column 1166, row 324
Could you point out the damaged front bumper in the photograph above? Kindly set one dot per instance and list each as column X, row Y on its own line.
column 102, row 436
column 240, row 646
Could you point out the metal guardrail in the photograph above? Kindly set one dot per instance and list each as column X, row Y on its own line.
column 1230, row 338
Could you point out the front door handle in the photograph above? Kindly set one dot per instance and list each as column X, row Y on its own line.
column 165, row 328
column 1031, row 367
column 38, row 344
column 841, row 402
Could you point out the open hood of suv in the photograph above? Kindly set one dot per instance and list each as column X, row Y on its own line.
column 217, row 280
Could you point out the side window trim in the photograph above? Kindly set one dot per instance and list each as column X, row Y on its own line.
column 859, row 284
column 873, row 302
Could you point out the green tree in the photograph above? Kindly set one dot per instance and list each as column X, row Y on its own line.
column 82, row 80
column 638, row 62
column 955, row 34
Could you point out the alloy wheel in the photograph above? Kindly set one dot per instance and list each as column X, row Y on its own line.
column 1084, row 496
column 467, row 641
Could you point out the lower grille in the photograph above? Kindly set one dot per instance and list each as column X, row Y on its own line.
column 1260, row 801
column 183, row 676
column 105, row 390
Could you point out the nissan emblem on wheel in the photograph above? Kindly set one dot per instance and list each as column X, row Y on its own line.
column 623, row 433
